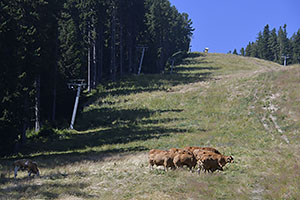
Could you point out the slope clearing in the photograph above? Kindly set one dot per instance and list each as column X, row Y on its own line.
column 245, row 107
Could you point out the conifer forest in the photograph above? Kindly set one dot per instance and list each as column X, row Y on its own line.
column 45, row 44
column 274, row 45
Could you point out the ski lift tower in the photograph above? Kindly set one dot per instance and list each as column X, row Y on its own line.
column 75, row 84
column 173, row 59
column 142, row 56
column 285, row 57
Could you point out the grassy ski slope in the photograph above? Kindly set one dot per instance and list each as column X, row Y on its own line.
column 244, row 107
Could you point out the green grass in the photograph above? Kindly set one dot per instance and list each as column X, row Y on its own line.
column 245, row 107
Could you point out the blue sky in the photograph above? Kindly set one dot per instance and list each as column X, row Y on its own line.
column 222, row 25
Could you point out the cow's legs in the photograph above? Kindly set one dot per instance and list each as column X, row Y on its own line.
column 16, row 171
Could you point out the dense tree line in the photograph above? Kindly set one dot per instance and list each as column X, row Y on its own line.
column 46, row 43
column 274, row 45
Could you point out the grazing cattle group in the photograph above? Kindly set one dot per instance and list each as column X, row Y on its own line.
column 204, row 158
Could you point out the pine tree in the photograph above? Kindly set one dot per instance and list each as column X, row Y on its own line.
column 72, row 59
column 283, row 42
column 295, row 42
column 10, row 118
column 248, row 50
column 242, row 51
column 29, row 38
column 273, row 45
column 266, row 50
column 235, row 52
column 254, row 50
column 260, row 45
column 163, row 21
column 157, row 19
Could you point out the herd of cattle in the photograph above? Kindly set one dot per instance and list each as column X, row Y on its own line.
column 205, row 158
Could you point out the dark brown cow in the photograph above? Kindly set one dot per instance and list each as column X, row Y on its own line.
column 25, row 164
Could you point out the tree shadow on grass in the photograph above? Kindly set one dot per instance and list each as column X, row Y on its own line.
column 195, row 54
column 102, row 117
column 120, row 134
column 154, row 82
column 117, row 127
column 159, row 82
column 197, row 68
column 194, row 62
column 66, row 158
column 25, row 188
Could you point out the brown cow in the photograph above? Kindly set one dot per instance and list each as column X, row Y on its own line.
column 153, row 151
column 161, row 158
column 185, row 158
column 211, row 161
column 25, row 164
column 176, row 150
column 208, row 164
column 192, row 149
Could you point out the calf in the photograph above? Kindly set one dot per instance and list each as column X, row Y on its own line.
column 25, row 164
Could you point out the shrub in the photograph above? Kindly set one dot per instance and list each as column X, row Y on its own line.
column 47, row 132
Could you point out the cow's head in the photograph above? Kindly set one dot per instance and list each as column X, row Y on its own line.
column 229, row 159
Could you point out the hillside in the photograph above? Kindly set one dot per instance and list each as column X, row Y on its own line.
column 245, row 107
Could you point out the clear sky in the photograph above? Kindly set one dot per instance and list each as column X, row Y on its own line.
column 223, row 25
